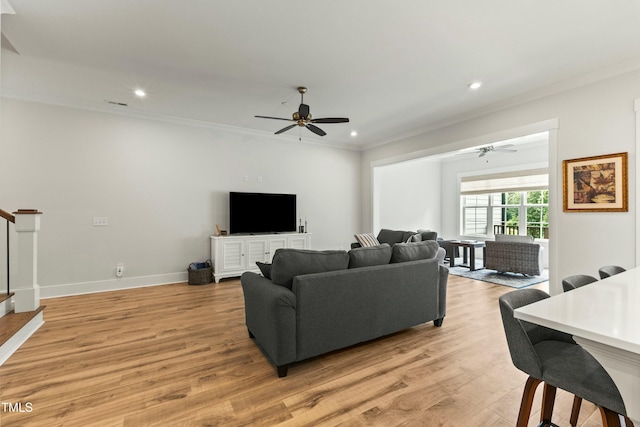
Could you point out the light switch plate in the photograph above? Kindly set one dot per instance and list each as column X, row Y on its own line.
column 100, row 221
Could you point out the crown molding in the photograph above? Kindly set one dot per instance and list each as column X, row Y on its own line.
column 131, row 112
column 5, row 8
column 553, row 89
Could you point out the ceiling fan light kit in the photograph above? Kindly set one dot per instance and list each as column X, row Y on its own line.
column 303, row 118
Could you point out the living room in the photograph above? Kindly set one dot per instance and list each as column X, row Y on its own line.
column 163, row 180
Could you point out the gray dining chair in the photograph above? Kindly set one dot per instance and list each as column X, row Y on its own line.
column 573, row 282
column 569, row 283
column 610, row 270
column 554, row 358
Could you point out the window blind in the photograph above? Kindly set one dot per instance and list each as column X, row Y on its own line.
column 526, row 180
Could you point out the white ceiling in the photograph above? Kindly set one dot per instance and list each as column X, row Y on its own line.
column 394, row 68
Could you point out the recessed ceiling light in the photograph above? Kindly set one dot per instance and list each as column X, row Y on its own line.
column 475, row 85
column 354, row 133
column 140, row 93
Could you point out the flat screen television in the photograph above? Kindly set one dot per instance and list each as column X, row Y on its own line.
column 261, row 213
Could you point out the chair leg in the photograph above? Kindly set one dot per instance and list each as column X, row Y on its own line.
column 575, row 411
column 527, row 401
column 548, row 399
column 609, row 418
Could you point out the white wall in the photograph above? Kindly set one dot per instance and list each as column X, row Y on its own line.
column 593, row 119
column 408, row 196
column 163, row 187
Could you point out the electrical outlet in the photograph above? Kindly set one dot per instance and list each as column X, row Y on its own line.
column 119, row 269
column 100, row 221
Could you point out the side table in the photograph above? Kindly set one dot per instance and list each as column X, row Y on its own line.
column 468, row 253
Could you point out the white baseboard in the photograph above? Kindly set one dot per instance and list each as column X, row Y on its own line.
column 14, row 343
column 69, row 289
column 6, row 306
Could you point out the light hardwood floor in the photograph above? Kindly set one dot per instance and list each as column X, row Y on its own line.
column 179, row 355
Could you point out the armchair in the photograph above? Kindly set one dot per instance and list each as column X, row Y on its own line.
column 515, row 254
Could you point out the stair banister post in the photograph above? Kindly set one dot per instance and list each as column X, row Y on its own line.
column 25, row 285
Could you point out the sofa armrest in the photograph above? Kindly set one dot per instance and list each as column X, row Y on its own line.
column 442, row 290
column 270, row 314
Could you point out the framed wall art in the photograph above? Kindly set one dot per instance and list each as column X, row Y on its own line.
column 596, row 184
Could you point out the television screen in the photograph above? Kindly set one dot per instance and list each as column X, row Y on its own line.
column 261, row 212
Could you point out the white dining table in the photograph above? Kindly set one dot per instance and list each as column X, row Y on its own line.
column 604, row 318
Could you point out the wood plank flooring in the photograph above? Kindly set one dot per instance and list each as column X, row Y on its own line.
column 179, row 355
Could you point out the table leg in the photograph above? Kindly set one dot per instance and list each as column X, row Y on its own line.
column 484, row 253
column 465, row 255
column 472, row 256
column 451, row 250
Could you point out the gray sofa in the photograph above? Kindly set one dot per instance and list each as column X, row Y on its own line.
column 318, row 301
column 391, row 237
column 515, row 254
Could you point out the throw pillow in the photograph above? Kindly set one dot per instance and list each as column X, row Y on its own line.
column 403, row 252
column 372, row 255
column 428, row 234
column 415, row 238
column 289, row 263
column 366, row 239
column 265, row 269
column 392, row 236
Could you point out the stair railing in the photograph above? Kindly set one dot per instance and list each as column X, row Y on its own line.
column 9, row 218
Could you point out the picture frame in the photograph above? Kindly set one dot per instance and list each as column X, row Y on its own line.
column 596, row 184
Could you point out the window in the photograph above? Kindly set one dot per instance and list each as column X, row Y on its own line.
column 512, row 203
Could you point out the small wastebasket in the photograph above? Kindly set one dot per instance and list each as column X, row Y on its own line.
column 200, row 273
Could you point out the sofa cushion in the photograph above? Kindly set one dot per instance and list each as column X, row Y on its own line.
column 393, row 236
column 403, row 252
column 265, row 269
column 372, row 255
column 366, row 239
column 289, row 263
column 513, row 238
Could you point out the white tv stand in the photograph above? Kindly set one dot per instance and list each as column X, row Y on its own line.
column 233, row 255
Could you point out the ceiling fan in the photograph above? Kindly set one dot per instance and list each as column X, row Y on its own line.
column 483, row 151
column 303, row 118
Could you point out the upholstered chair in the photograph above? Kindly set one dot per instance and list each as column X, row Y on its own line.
column 553, row 357
column 610, row 270
column 572, row 282
column 515, row 254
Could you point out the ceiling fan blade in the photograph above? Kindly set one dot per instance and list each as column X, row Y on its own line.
column 331, row 120
column 284, row 129
column 505, row 146
column 506, row 150
column 303, row 111
column 274, row 118
column 484, row 153
column 316, row 130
